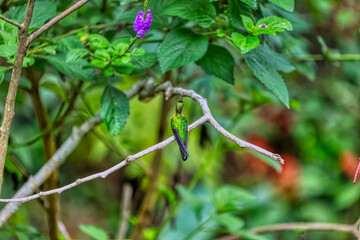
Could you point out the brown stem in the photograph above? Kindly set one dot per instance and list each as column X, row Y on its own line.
column 13, row 87
column 11, row 22
column 148, row 202
column 49, row 149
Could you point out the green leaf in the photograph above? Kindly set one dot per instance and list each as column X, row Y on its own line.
column 288, row 5
column 180, row 48
column 279, row 61
column 114, row 109
column 2, row 73
column 191, row 199
column 271, row 25
column 72, row 69
column 9, row 36
column 98, row 63
column 75, row 55
column 43, row 11
column 94, row 232
column 138, row 52
column 236, row 9
column 120, row 45
column 261, row 62
column 98, row 41
column 230, row 198
column 201, row 12
column 218, row 62
column 248, row 23
column 144, row 61
column 230, row 222
column 8, row 50
column 245, row 44
column 250, row 3
column 102, row 54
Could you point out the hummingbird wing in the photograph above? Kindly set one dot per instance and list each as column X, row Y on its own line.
column 182, row 145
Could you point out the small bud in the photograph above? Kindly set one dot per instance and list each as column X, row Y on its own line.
column 263, row 26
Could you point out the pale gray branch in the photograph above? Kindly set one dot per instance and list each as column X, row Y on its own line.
column 207, row 117
column 125, row 211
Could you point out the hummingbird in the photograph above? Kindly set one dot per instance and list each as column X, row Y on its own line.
column 180, row 129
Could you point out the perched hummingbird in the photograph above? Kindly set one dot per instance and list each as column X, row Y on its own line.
column 180, row 129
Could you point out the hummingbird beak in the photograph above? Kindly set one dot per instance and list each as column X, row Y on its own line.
column 181, row 100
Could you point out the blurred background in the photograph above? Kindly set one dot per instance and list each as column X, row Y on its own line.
column 318, row 137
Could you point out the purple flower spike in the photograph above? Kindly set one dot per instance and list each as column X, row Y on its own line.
column 142, row 26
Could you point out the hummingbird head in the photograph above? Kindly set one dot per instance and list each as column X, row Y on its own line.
column 179, row 106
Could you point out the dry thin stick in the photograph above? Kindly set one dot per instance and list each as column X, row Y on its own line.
column 55, row 20
column 126, row 211
column 19, row 26
column 305, row 226
column 207, row 117
column 9, row 111
column 357, row 172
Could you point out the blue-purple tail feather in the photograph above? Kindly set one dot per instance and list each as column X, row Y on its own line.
column 182, row 145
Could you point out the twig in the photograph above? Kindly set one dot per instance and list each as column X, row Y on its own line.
column 13, row 87
column 327, row 57
column 55, row 20
column 58, row 158
column 126, row 211
column 19, row 26
column 304, row 226
column 168, row 92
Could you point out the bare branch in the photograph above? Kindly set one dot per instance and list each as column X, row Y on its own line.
column 307, row 227
column 169, row 92
column 55, row 20
column 19, row 26
column 126, row 211
column 304, row 226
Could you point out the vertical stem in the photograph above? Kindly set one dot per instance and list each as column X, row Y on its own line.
column 13, row 87
column 148, row 202
column 49, row 149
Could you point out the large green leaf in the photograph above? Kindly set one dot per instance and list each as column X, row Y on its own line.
column 229, row 221
column 288, row 5
column 181, row 47
column 94, row 232
column 218, row 62
column 250, row 3
column 71, row 69
column 43, row 11
column 264, row 64
column 145, row 61
column 236, row 8
column 8, row 50
column 200, row 11
column 114, row 109
column 230, row 198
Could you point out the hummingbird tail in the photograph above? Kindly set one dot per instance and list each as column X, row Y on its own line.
column 184, row 155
